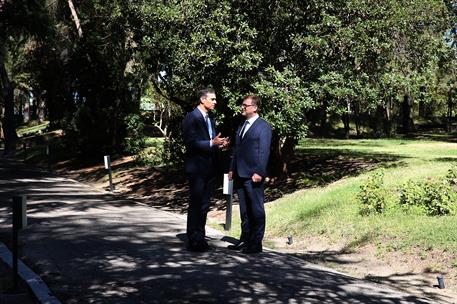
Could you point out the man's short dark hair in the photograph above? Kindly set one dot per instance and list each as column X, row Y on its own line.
column 255, row 100
column 204, row 92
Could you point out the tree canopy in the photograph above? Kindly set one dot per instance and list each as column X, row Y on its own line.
column 372, row 63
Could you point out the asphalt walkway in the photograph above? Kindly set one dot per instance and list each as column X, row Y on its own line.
column 91, row 247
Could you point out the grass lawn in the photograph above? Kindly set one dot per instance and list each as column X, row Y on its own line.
column 28, row 130
column 332, row 210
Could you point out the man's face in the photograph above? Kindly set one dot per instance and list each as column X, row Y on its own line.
column 209, row 101
column 248, row 109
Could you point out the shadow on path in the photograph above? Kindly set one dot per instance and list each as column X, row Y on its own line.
column 90, row 247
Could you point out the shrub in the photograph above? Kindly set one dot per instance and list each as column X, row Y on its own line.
column 174, row 149
column 151, row 156
column 432, row 197
column 372, row 194
column 135, row 140
column 411, row 197
column 451, row 176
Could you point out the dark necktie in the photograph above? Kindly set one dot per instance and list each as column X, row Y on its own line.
column 243, row 128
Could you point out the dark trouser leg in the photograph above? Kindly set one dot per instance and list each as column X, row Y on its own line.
column 245, row 231
column 255, row 209
column 200, row 190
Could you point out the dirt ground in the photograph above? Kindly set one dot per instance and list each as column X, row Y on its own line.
column 415, row 271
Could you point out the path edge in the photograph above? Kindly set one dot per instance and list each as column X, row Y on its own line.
column 35, row 283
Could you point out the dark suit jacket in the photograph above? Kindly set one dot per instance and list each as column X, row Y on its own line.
column 200, row 156
column 252, row 152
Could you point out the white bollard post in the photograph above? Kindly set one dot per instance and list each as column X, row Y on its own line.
column 228, row 191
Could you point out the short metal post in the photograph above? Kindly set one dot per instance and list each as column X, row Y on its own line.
column 440, row 282
column 228, row 191
column 107, row 160
column 19, row 222
column 228, row 213
column 290, row 240
column 48, row 156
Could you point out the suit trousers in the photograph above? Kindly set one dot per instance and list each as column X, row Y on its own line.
column 252, row 210
column 201, row 187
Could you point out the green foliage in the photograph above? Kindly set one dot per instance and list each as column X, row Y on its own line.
column 173, row 147
column 451, row 176
column 285, row 102
column 373, row 194
column 351, row 58
column 151, row 156
column 411, row 198
column 135, row 140
column 432, row 197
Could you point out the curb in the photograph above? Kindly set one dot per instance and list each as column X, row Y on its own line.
column 36, row 284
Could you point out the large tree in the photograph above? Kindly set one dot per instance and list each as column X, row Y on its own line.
column 19, row 20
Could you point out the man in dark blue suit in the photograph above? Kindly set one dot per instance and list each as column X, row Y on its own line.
column 249, row 169
column 202, row 144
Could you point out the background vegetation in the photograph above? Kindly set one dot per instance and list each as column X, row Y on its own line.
column 346, row 85
column 89, row 66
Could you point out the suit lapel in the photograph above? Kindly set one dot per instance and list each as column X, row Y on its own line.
column 200, row 118
column 251, row 128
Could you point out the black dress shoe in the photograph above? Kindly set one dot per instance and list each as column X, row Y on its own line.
column 199, row 247
column 252, row 249
column 238, row 246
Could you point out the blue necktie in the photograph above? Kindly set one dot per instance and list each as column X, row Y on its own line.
column 208, row 125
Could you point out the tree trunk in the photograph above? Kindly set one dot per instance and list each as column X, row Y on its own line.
column 388, row 120
column 282, row 151
column 345, row 119
column 449, row 113
column 357, row 118
column 324, row 127
column 40, row 108
column 9, row 128
column 75, row 18
column 407, row 114
column 1, row 131
column 26, row 109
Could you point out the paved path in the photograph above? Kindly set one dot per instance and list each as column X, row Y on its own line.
column 90, row 247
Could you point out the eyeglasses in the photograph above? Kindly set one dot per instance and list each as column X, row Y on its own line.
column 246, row 105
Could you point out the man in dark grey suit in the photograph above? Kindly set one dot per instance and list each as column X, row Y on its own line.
column 202, row 144
column 249, row 169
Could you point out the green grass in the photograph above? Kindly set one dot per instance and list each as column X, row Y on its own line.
column 332, row 210
column 27, row 130
column 154, row 141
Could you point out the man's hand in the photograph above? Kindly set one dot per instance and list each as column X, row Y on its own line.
column 230, row 175
column 218, row 140
column 256, row 178
column 225, row 143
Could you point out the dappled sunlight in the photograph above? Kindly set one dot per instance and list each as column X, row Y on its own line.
column 120, row 251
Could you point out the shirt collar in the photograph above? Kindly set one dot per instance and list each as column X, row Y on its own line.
column 252, row 119
column 203, row 112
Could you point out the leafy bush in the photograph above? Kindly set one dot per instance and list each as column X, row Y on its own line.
column 372, row 194
column 431, row 197
column 174, row 149
column 135, row 140
column 411, row 198
column 151, row 156
column 451, row 176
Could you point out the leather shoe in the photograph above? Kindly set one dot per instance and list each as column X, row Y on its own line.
column 252, row 249
column 237, row 246
column 199, row 247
